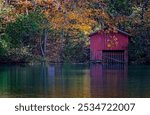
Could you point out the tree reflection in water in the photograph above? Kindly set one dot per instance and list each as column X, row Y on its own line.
column 74, row 80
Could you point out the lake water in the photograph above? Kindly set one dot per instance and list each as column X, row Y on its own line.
column 76, row 80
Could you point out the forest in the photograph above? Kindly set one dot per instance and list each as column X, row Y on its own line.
column 58, row 30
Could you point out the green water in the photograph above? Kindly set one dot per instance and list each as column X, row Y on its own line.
column 76, row 80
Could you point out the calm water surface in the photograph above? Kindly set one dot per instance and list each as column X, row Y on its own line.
column 74, row 80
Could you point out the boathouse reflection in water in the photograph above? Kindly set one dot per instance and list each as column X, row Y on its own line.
column 108, row 80
column 75, row 80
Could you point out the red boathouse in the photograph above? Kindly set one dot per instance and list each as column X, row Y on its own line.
column 109, row 47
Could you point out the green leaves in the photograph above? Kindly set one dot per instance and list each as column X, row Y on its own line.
column 119, row 7
column 24, row 28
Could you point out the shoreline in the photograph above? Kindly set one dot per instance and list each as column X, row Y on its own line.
column 72, row 63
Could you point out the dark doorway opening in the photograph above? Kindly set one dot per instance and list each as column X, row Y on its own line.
column 113, row 56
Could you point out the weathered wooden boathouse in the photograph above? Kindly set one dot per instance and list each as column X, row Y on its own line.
column 109, row 47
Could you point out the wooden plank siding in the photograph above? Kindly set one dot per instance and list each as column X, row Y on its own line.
column 113, row 46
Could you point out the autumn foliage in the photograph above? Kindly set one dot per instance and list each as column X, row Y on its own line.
column 66, row 22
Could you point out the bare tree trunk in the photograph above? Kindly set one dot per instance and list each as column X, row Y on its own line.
column 27, row 11
column 43, row 42
column 41, row 47
column 45, row 39
column 7, row 2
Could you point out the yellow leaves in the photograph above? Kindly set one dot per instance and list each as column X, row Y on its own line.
column 46, row 13
column 57, row 22
column 43, row 2
column 24, row 3
column 72, row 15
column 38, row 2
column 81, row 21
column 60, row 13
column 83, row 28
column 7, row 14
column 48, row 1
column 75, row 16
column 72, row 20
column 104, row 15
column 66, row 14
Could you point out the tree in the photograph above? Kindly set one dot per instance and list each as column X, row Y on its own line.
column 69, row 22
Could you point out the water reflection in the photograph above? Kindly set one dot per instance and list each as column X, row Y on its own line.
column 109, row 80
column 95, row 80
column 139, row 81
column 44, row 81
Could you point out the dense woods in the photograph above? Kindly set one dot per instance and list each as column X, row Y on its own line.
column 58, row 30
